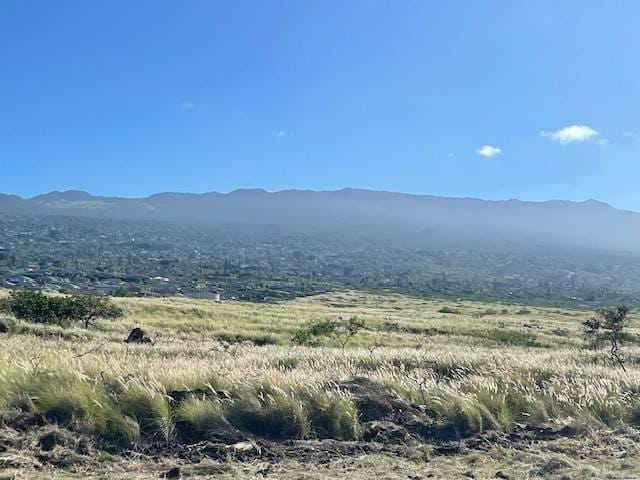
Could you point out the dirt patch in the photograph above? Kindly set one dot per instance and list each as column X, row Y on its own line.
column 318, row 451
column 386, row 417
column 25, row 421
column 374, row 401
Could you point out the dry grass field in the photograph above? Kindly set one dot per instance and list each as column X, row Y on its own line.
column 427, row 389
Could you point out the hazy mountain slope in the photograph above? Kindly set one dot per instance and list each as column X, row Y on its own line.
column 461, row 220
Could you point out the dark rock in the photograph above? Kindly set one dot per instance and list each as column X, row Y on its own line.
column 502, row 475
column 24, row 421
column 224, row 434
column 138, row 335
column 84, row 446
column 4, row 326
column 386, row 432
column 48, row 441
column 543, row 432
column 551, row 466
column 174, row 472
column 449, row 449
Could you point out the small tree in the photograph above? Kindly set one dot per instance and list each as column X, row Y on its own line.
column 349, row 330
column 340, row 330
column 606, row 328
column 40, row 308
column 88, row 308
column 34, row 307
column 311, row 334
column 122, row 291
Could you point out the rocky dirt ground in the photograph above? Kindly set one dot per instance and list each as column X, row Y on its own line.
column 400, row 441
column 47, row 452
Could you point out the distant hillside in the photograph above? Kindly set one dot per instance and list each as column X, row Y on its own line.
column 463, row 221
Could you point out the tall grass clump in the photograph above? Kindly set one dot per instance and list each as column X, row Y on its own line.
column 609, row 411
column 198, row 419
column 513, row 407
column 149, row 406
column 110, row 425
column 269, row 412
column 66, row 401
column 464, row 413
column 333, row 416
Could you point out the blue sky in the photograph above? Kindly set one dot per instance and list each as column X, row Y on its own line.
column 135, row 97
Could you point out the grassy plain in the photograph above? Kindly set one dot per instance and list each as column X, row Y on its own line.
column 477, row 391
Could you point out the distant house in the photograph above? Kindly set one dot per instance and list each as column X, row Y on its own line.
column 108, row 285
column 20, row 281
column 200, row 294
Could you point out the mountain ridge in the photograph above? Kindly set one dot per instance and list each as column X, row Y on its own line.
column 588, row 223
column 74, row 194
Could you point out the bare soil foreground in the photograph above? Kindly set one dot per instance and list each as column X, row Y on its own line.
column 343, row 385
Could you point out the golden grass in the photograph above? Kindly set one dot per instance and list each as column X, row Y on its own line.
column 187, row 352
column 455, row 364
column 191, row 317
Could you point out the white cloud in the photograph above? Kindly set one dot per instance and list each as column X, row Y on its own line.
column 572, row 133
column 489, row 151
column 281, row 133
column 603, row 142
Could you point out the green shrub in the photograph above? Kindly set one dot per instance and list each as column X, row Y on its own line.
column 340, row 330
column 560, row 332
column 258, row 340
column 310, row 334
column 448, row 310
column 511, row 337
column 122, row 292
column 37, row 307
